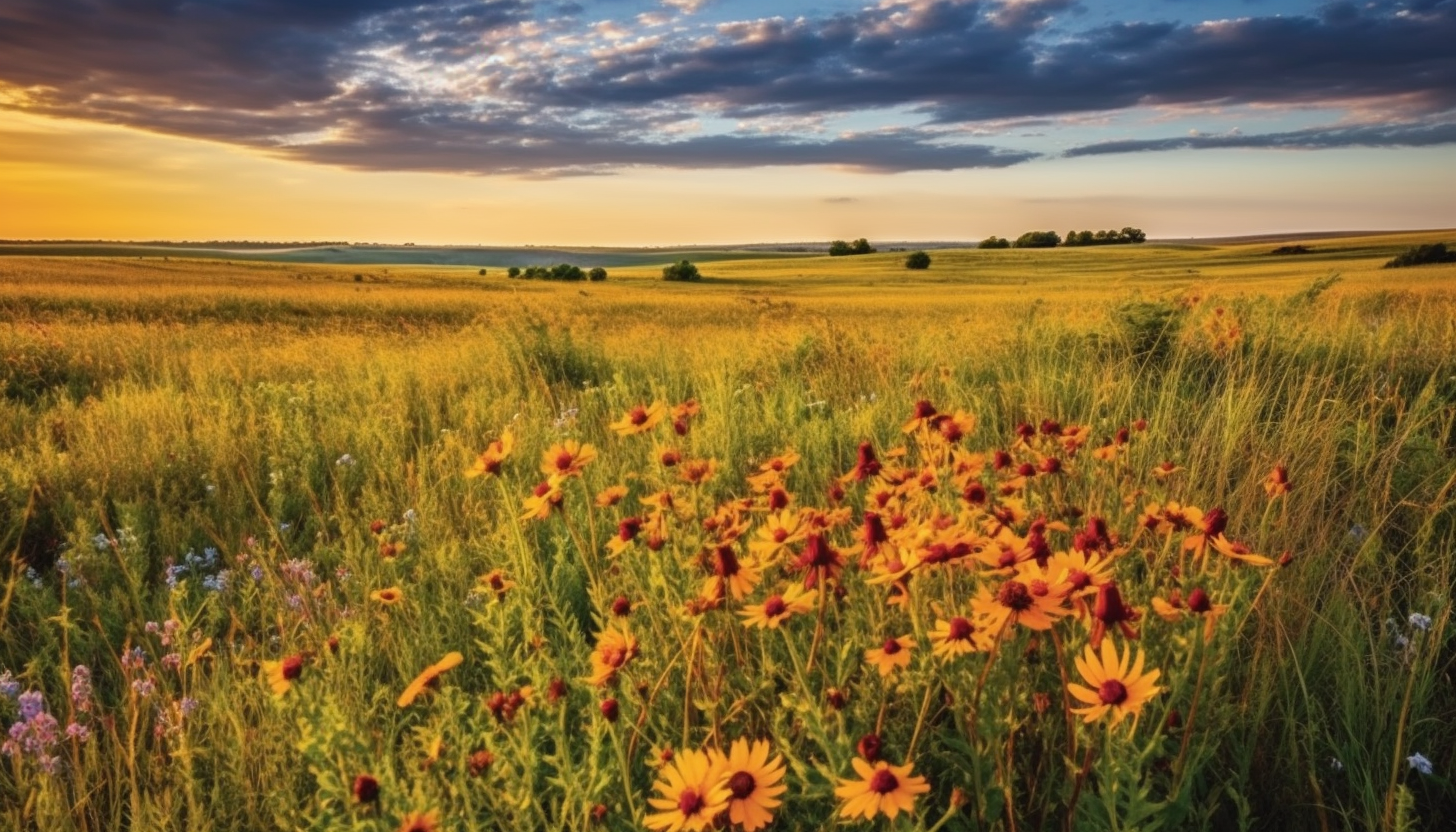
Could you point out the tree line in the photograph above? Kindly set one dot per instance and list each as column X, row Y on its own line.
column 1051, row 239
column 560, row 271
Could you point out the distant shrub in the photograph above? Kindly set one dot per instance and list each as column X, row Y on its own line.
column 1105, row 238
column 513, row 271
column 682, row 270
column 1282, row 250
column 840, row 248
column 358, row 278
column 917, row 260
column 995, row 242
column 482, row 272
column 597, row 273
column 1038, row 239
column 1422, row 256
column 560, row 271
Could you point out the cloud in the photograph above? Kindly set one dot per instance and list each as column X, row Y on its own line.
column 1314, row 138
column 512, row 86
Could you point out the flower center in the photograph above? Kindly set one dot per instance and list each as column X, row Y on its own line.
column 1015, row 596
column 639, row 417
column 960, row 629
column 1079, row 579
column 742, row 785
column 891, row 647
column 1112, row 692
column 1039, row 588
column 884, row 782
column 292, row 667
column 563, row 461
column 774, row 607
column 689, row 802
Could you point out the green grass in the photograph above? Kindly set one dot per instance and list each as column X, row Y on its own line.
column 208, row 405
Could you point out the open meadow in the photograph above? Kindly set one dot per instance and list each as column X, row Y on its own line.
column 1113, row 538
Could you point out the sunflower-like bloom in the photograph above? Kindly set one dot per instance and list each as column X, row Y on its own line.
column 882, row 789
column 611, row 495
column 389, row 596
column 544, row 497
column 427, row 677
column 640, row 419
column 773, row 471
column 779, row 531
column 693, row 794
column 494, row 456
column 892, row 655
column 777, row 609
column 697, row 471
column 958, row 637
column 282, row 674
column 566, row 459
column 420, row 821
column 1114, row 687
column 496, row 581
column 614, row 649
column 1032, row 597
column 754, row 782
column 1234, row 550
column 730, row 575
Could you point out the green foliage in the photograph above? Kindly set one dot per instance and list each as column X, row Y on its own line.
column 1038, row 239
column 596, row 274
column 1422, row 255
column 840, row 248
column 917, row 260
column 1126, row 236
column 993, row 242
column 682, row 270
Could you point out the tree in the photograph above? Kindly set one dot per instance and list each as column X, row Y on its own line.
column 1422, row 255
column 917, row 260
column 513, row 271
column 861, row 246
column 839, row 248
column 597, row 273
column 482, row 272
column 1038, row 239
column 682, row 270
column 995, row 242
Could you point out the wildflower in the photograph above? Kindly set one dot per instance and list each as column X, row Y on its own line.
column 611, row 709
column 1239, row 552
column 495, row 580
column 730, row 574
column 1166, row 469
column 1111, row 612
column 1419, row 763
column 611, row 495
column 281, row 675
column 640, row 419
column 480, row 762
column 389, row 596
column 882, row 789
column 693, row 794
column 566, row 459
column 421, row 822
column 781, row 529
column 818, row 561
column 958, row 637
column 494, row 456
column 869, row 747
column 78, row 732
column 427, row 677
column 682, row 415
column 1277, row 483
column 366, row 789
column 614, row 649
column 1116, row 688
column 754, row 783
column 544, row 497
column 81, row 688
column 697, row 471
column 866, row 465
column 836, row 698
column 9, row 688
column 35, row 734
column 1420, row 622
column 893, row 654
column 777, row 609
column 1031, row 598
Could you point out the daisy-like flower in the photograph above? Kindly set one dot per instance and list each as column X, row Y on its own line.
column 683, row 414
column 566, row 459
column 754, row 783
column 611, row 495
column 1198, row 603
column 697, row 471
column 882, row 789
column 1277, row 483
column 1239, row 552
column 420, row 821
column 1032, row 597
column 614, row 649
column 494, row 456
column 777, row 609
column 730, row 575
column 640, row 419
column 389, row 596
column 773, row 471
column 1115, row 687
column 779, row 531
column 892, row 655
column 282, row 674
column 495, row 580
column 693, row 794
column 958, row 637
column 428, row 677
column 544, row 497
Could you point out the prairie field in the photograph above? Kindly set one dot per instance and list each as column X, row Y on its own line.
column 1116, row 538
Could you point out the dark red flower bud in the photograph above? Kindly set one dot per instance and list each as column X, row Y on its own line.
column 622, row 606
column 1214, row 522
column 1001, row 460
column 869, row 747
column 836, row 698
column 366, row 789
column 1198, row 601
column 611, row 709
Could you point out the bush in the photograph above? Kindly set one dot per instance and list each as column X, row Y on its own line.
column 1106, row 238
column 1038, row 239
column 917, row 260
column 995, row 242
column 482, row 272
column 840, row 248
column 1422, row 256
column 513, row 271
column 597, row 273
column 682, row 270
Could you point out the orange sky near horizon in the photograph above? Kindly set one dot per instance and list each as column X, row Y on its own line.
column 79, row 180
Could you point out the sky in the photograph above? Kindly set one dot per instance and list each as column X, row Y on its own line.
column 660, row 122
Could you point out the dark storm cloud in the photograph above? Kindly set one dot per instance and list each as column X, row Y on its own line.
column 1319, row 138
column 504, row 86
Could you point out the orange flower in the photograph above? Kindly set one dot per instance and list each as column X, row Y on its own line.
column 1239, row 552
column 729, row 574
column 697, row 471
column 777, row 609
column 427, row 677
column 892, row 655
column 640, row 419
column 495, row 580
column 614, row 649
column 566, row 459
column 1277, row 483
column 693, row 794
column 281, row 674
column 958, row 637
column 754, row 782
column 1115, row 688
column 611, row 495
column 882, row 789
column 389, row 596
column 544, row 497
column 494, row 456
column 421, row 821
column 1032, row 597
